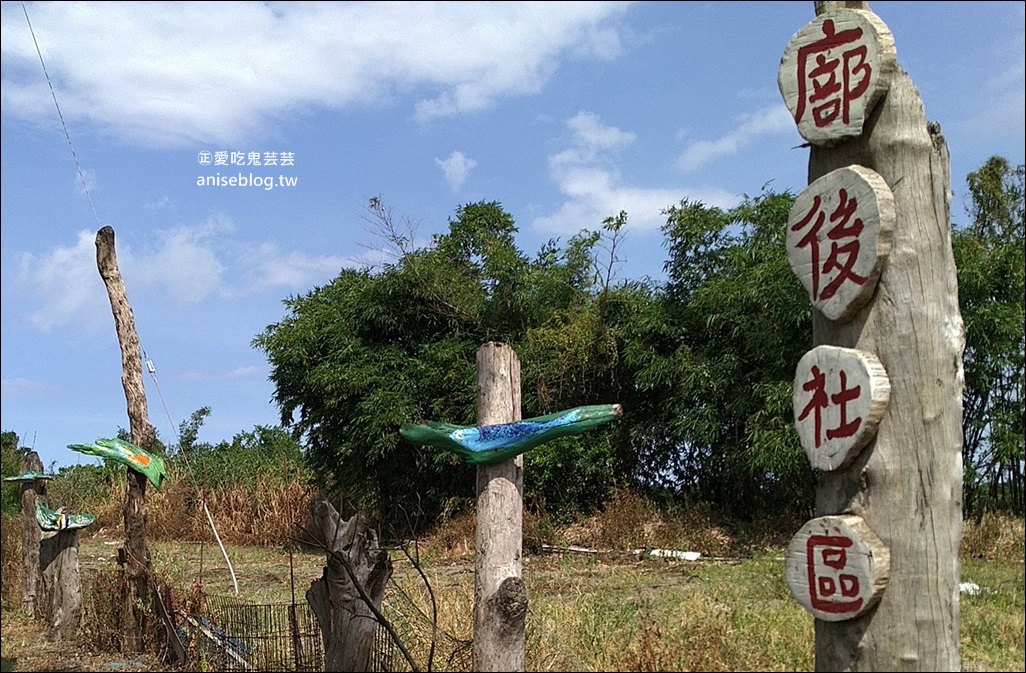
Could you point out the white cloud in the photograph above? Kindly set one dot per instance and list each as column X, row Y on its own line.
column 264, row 267
column 588, row 177
column 185, row 265
column 67, row 283
column 456, row 167
column 769, row 120
column 1000, row 115
column 160, row 204
column 185, row 261
column 163, row 74
column 237, row 373
column 15, row 388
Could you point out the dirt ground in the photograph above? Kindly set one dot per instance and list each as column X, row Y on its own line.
column 26, row 648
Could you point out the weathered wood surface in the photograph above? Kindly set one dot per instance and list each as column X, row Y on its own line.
column 500, row 596
column 31, row 491
column 338, row 598
column 62, row 584
column 138, row 565
column 836, row 567
column 840, row 395
column 907, row 484
column 838, row 239
column 834, row 71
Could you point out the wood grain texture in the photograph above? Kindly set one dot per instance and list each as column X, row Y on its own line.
column 500, row 597
column 837, row 567
column 840, row 395
column 838, row 239
column 908, row 484
column 834, row 71
column 139, row 567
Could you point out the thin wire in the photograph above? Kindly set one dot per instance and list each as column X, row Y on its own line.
column 67, row 134
column 96, row 217
column 192, row 475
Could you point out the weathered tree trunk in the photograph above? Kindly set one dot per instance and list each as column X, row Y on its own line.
column 347, row 622
column 62, row 586
column 137, row 567
column 500, row 597
column 31, row 492
column 907, row 484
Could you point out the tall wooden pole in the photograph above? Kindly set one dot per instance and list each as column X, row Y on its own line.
column 907, row 484
column 137, row 564
column 31, row 491
column 500, row 597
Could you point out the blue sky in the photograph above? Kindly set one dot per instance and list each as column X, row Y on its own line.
column 566, row 113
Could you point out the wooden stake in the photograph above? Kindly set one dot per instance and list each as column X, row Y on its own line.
column 500, row 597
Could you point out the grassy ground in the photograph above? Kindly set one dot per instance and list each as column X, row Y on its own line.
column 588, row 612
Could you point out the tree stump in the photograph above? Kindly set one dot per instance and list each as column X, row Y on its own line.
column 61, row 604
column 356, row 571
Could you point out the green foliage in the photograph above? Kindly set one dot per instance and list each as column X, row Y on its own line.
column 10, row 466
column 354, row 360
column 546, row 471
column 266, row 456
column 714, row 361
column 87, row 487
column 702, row 363
column 989, row 253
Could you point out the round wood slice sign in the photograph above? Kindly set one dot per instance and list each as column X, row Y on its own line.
column 839, row 396
column 834, row 71
column 839, row 235
column 836, row 567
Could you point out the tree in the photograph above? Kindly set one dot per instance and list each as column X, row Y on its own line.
column 355, row 359
column 989, row 252
column 714, row 359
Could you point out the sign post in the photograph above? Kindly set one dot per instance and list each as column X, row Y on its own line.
column 878, row 401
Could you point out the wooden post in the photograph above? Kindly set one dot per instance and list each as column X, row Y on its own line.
column 905, row 486
column 500, row 597
column 136, row 558
column 62, row 586
column 31, row 491
column 340, row 600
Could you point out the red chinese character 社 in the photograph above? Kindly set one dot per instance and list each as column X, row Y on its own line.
column 831, row 590
column 818, row 84
column 843, row 256
column 820, row 401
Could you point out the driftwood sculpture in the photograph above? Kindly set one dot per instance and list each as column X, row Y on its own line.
column 347, row 598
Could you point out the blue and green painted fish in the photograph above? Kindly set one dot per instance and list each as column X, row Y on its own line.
column 488, row 444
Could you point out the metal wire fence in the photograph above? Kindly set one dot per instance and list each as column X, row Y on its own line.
column 232, row 635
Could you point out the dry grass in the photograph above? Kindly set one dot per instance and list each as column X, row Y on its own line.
column 10, row 562
column 730, row 610
column 996, row 537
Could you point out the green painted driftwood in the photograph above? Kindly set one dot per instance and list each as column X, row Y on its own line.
column 30, row 476
column 487, row 444
column 125, row 452
column 51, row 520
